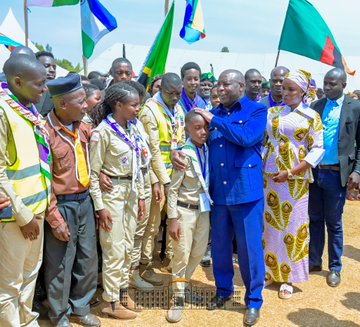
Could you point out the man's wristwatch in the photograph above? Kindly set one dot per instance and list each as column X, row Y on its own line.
column 290, row 175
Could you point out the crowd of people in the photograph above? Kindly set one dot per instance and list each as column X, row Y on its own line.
column 93, row 167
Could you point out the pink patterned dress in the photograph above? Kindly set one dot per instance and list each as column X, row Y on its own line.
column 292, row 136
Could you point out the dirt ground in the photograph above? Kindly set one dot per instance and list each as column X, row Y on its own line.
column 314, row 304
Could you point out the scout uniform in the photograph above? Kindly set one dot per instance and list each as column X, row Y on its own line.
column 135, row 279
column 70, row 267
column 188, row 202
column 166, row 130
column 118, row 153
column 25, row 179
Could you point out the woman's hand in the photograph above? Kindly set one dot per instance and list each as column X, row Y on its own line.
column 281, row 177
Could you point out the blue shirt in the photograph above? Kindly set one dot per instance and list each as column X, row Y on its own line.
column 331, row 122
column 235, row 152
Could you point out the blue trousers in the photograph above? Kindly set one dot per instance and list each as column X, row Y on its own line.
column 245, row 221
column 326, row 203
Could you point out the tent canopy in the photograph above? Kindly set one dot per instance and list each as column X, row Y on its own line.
column 221, row 61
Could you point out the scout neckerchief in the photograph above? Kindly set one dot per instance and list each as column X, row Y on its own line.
column 201, row 167
column 187, row 103
column 81, row 166
column 82, row 172
column 133, row 144
column 173, row 120
column 40, row 132
column 273, row 103
column 141, row 139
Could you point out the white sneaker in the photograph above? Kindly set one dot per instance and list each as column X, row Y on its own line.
column 137, row 282
column 174, row 314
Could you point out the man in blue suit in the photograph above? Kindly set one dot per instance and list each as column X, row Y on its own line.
column 237, row 127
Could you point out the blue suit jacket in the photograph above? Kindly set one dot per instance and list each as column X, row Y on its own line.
column 235, row 152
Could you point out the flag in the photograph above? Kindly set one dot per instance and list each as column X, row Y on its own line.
column 51, row 3
column 96, row 22
column 9, row 43
column 193, row 26
column 306, row 33
column 156, row 58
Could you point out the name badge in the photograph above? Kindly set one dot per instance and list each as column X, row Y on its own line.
column 204, row 203
column 174, row 144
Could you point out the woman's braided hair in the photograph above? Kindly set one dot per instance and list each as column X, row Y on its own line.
column 119, row 92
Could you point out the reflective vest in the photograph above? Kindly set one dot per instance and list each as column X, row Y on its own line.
column 165, row 134
column 23, row 168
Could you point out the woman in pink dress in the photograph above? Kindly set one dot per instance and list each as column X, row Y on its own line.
column 293, row 145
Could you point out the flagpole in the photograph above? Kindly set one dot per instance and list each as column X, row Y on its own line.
column 85, row 65
column 26, row 23
column 277, row 58
column 166, row 7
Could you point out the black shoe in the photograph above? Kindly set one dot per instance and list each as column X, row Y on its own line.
column 217, row 302
column 315, row 268
column 205, row 263
column 333, row 278
column 251, row 316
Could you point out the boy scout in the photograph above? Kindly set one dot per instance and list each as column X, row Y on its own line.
column 25, row 180
column 188, row 210
column 163, row 120
column 70, row 255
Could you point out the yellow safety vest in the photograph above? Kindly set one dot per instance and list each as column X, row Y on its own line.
column 23, row 170
column 165, row 134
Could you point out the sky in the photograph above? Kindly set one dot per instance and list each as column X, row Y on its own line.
column 244, row 26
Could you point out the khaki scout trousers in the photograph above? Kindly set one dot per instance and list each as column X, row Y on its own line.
column 152, row 229
column 117, row 245
column 190, row 249
column 141, row 225
column 20, row 261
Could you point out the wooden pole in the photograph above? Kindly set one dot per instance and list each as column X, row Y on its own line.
column 85, row 65
column 26, row 23
column 124, row 51
column 166, row 7
column 277, row 58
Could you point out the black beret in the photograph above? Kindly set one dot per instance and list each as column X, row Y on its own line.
column 64, row 85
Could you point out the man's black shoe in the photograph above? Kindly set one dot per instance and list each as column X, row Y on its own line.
column 251, row 316
column 217, row 302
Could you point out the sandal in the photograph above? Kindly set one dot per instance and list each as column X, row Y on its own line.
column 285, row 291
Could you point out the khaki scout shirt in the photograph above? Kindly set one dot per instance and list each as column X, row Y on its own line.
column 110, row 155
column 63, row 166
column 21, row 213
column 152, row 129
column 185, row 187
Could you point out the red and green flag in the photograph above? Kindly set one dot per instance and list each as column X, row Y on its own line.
column 156, row 59
column 306, row 33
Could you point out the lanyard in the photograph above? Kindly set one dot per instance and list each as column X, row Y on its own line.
column 132, row 145
column 202, row 164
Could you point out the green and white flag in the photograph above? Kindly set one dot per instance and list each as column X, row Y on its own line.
column 96, row 21
column 51, row 3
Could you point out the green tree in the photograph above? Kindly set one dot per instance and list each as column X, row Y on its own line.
column 224, row 49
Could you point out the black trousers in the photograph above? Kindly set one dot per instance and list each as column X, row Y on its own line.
column 71, row 267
